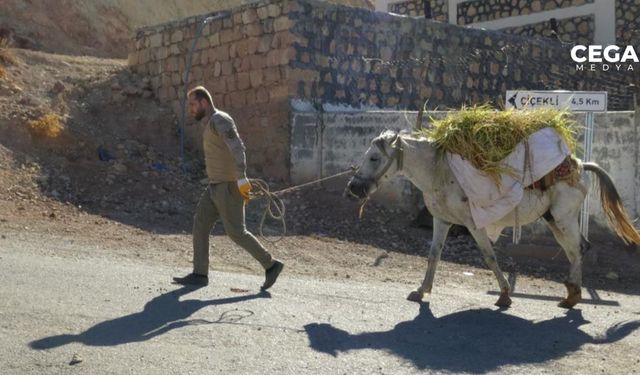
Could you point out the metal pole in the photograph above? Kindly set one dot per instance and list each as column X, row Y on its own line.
column 183, row 101
column 588, row 143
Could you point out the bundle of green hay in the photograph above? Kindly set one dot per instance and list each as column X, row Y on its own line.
column 485, row 137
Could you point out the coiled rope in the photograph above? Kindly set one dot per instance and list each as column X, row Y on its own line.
column 275, row 208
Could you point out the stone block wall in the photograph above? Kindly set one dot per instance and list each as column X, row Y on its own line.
column 363, row 58
column 242, row 58
column 488, row 10
column 577, row 30
column 415, row 8
column 256, row 58
column 628, row 22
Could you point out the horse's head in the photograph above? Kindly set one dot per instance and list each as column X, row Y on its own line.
column 381, row 161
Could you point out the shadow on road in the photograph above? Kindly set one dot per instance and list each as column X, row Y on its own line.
column 473, row 341
column 160, row 315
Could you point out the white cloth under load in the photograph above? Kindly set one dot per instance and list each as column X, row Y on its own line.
column 489, row 201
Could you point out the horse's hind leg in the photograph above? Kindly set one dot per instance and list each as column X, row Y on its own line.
column 490, row 259
column 440, row 230
column 563, row 222
column 567, row 233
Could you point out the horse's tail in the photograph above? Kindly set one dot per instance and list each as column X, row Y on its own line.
column 612, row 206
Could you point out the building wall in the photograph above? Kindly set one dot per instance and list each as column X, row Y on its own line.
column 609, row 18
column 578, row 30
column 628, row 22
column 363, row 58
column 415, row 8
column 487, row 10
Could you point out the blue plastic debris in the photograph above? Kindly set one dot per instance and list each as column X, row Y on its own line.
column 159, row 167
column 104, row 154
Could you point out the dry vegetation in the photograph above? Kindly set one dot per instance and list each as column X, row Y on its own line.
column 6, row 54
column 46, row 126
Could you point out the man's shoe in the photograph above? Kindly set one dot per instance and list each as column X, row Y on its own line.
column 271, row 275
column 192, row 279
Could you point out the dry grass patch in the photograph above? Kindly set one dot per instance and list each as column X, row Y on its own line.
column 46, row 126
column 6, row 52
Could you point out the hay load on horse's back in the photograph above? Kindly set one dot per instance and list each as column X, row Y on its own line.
column 489, row 170
column 486, row 137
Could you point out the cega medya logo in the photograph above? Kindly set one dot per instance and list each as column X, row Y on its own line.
column 604, row 58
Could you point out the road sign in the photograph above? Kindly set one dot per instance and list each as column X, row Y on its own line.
column 575, row 101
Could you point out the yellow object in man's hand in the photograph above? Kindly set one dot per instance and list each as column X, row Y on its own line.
column 244, row 186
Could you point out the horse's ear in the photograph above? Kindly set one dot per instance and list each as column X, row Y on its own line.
column 418, row 126
column 381, row 145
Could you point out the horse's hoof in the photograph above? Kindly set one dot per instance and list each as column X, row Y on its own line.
column 415, row 296
column 504, row 301
column 566, row 304
column 569, row 302
column 575, row 296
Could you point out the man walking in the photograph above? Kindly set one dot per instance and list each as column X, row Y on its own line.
column 225, row 196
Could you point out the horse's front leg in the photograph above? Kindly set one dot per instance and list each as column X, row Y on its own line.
column 440, row 230
column 480, row 235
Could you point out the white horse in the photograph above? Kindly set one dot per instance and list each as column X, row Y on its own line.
column 425, row 166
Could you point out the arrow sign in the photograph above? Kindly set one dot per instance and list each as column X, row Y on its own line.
column 575, row 101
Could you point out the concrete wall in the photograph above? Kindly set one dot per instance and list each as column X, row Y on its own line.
column 616, row 144
column 329, row 143
column 323, row 144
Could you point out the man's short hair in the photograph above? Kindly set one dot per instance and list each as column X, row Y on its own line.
column 200, row 93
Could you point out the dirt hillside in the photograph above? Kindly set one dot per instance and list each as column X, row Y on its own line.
column 100, row 27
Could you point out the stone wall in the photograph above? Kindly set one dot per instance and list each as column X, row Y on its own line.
column 577, row 30
column 242, row 59
column 487, row 10
column 256, row 58
column 364, row 58
column 628, row 22
column 415, row 8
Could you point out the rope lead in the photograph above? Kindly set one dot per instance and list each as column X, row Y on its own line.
column 275, row 208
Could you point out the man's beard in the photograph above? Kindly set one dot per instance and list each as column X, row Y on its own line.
column 200, row 115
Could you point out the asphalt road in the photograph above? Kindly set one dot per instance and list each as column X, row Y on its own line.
column 116, row 316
